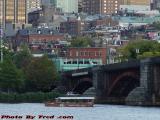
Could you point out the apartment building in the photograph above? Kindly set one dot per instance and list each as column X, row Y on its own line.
column 101, row 6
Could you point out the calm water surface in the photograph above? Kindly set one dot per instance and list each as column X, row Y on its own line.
column 99, row 112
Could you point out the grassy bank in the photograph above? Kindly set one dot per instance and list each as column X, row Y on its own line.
column 30, row 97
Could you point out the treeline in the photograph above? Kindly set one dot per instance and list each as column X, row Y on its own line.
column 22, row 75
column 29, row 97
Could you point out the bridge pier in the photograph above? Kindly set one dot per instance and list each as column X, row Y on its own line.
column 99, row 83
column 143, row 94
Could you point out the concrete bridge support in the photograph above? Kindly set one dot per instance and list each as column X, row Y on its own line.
column 99, row 82
column 143, row 95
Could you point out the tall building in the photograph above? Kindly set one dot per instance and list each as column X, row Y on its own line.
column 33, row 5
column 136, row 2
column 1, row 13
column 101, row 6
column 13, row 11
column 67, row 6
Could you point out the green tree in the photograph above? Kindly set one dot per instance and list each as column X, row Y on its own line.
column 156, row 25
column 11, row 79
column 40, row 74
column 81, row 42
column 148, row 54
column 23, row 57
column 137, row 48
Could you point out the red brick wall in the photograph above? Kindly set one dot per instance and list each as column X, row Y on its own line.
column 88, row 53
column 30, row 38
column 46, row 37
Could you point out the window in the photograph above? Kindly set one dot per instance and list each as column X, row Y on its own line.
column 86, row 53
column 74, row 62
column 82, row 53
column 69, row 62
column 80, row 62
column 86, row 62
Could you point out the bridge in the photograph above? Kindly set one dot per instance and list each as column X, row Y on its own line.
column 78, row 81
column 133, row 82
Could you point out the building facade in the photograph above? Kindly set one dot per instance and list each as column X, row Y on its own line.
column 33, row 5
column 88, row 53
column 155, row 4
column 43, row 17
column 136, row 2
column 38, row 39
column 13, row 11
column 67, row 6
column 72, row 27
column 101, row 6
column 64, row 64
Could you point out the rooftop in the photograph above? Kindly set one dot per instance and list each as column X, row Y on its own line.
column 32, row 31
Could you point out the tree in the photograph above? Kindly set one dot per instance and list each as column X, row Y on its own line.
column 23, row 57
column 11, row 79
column 156, row 25
column 148, row 54
column 40, row 74
column 81, row 42
column 136, row 48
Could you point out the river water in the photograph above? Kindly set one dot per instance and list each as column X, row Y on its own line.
column 98, row 112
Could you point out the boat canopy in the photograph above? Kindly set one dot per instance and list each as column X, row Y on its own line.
column 73, row 98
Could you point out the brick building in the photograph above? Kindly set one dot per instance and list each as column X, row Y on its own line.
column 103, row 22
column 87, row 53
column 72, row 26
column 37, row 38
column 101, row 6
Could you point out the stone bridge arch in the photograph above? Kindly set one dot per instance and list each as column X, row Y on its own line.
column 124, row 84
column 82, row 86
